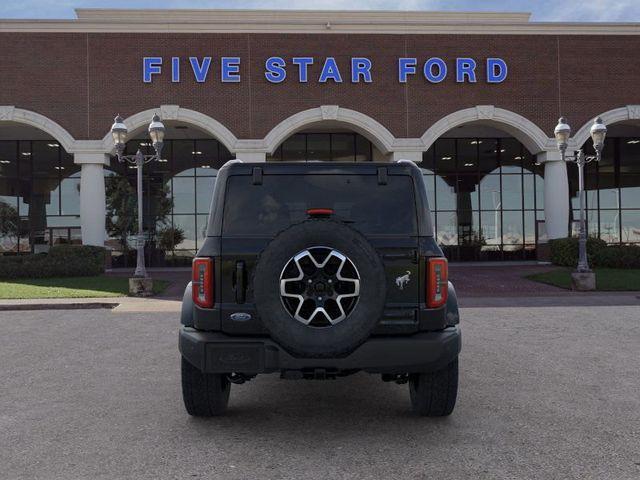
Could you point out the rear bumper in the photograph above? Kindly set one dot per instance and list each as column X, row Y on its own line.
column 214, row 352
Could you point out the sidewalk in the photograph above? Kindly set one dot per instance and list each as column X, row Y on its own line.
column 115, row 304
column 131, row 304
column 477, row 286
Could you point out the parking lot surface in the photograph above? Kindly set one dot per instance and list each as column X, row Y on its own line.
column 545, row 393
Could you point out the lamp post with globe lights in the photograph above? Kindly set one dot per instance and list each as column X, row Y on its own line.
column 583, row 278
column 119, row 133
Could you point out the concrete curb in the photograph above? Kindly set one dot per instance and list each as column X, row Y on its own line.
column 57, row 306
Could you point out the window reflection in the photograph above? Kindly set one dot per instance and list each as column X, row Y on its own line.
column 315, row 146
column 612, row 191
column 39, row 196
column 486, row 203
column 630, row 223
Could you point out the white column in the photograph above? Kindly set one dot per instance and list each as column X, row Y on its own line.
column 556, row 194
column 252, row 156
column 92, row 197
column 406, row 155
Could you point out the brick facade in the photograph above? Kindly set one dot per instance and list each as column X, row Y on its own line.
column 80, row 80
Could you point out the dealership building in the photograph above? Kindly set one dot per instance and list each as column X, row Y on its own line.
column 472, row 98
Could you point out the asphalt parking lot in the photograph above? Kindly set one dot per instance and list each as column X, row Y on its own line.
column 548, row 392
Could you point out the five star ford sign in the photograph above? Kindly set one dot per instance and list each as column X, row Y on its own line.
column 361, row 69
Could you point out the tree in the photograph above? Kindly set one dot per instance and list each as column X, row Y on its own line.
column 9, row 221
column 169, row 237
column 122, row 209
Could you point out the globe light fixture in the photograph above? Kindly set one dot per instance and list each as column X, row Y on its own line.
column 119, row 133
column 156, row 132
column 562, row 133
column 598, row 134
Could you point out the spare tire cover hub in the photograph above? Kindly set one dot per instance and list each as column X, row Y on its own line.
column 319, row 286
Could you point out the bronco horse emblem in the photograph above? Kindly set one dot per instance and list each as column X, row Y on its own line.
column 403, row 280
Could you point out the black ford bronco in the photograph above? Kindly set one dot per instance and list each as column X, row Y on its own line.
column 316, row 271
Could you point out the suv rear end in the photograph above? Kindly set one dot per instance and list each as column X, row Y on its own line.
column 317, row 271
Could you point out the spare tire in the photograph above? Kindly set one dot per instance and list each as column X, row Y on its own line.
column 319, row 288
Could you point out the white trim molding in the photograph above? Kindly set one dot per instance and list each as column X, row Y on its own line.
column 309, row 21
column 521, row 128
column 373, row 130
column 10, row 113
column 629, row 112
column 179, row 114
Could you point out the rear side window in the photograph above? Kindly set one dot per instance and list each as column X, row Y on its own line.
column 282, row 200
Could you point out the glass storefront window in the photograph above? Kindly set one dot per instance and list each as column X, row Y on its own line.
column 445, row 160
column 183, row 190
column 334, row 147
column 490, row 198
column 511, row 155
column 204, row 193
column 343, row 147
column 447, row 228
column 612, row 189
column 630, row 224
column 8, row 159
column 182, row 157
column 512, row 192
column 70, row 195
column 318, row 147
column 530, row 227
column 630, row 191
column 610, row 226
column 294, row 148
column 467, row 192
column 188, row 225
column 512, row 228
column 529, row 191
column 364, row 149
column 39, row 195
column 445, row 198
column 487, row 158
column 487, row 197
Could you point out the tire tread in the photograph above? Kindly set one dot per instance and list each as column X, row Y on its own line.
column 204, row 394
column 434, row 394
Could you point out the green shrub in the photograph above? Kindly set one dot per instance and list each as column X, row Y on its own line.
column 61, row 261
column 564, row 251
column 618, row 256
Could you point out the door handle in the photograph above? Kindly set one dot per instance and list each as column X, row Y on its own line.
column 240, row 282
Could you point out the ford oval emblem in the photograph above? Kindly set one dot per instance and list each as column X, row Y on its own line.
column 240, row 317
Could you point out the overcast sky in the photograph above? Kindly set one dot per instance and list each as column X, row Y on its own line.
column 543, row 10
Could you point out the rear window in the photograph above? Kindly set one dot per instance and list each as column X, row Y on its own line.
column 282, row 200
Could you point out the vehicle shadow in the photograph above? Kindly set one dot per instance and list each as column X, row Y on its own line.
column 346, row 407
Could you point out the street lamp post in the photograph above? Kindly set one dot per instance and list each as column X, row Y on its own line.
column 598, row 133
column 156, row 132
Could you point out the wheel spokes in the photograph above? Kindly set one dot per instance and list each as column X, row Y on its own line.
column 312, row 287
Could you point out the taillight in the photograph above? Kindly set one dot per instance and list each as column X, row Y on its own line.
column 320, row 212
column 437, row 282
column 202, row 282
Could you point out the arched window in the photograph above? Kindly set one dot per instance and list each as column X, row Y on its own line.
column 486, row 194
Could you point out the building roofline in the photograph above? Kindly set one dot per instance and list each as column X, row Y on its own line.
column 285, row 15
column 311, row 22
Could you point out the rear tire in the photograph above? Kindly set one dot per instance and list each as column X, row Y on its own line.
column 434, row 394
column 204, row 394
